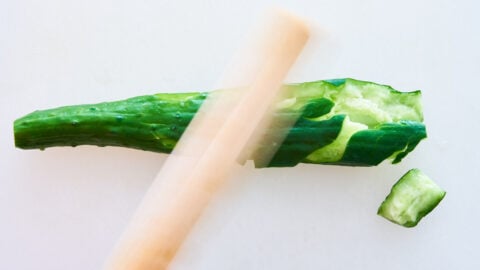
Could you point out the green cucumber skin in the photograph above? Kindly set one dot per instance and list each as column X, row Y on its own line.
column 151, row 122
column 411, row 198
column 376, row 145
column 156, row 122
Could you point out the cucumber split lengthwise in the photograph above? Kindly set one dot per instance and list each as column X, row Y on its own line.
column 411, row 198
column 342, row 122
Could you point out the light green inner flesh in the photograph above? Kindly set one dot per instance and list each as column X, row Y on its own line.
column 409, row 196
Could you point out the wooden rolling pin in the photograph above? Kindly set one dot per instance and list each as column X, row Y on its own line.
column 207, row 153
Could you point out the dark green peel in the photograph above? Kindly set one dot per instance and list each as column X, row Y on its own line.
column 370, row 147
column 382, row 123
column 303, row 138
column 152, row 123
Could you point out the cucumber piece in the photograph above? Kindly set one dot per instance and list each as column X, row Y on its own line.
column 411, row 198
column 342, row 122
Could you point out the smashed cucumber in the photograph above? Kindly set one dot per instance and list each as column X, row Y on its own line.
column 342, row 122
column 411, row 198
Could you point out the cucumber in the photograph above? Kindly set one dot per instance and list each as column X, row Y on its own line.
column 411, row 198
column 342, row 122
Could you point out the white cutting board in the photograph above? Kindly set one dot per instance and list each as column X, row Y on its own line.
column 64, row 208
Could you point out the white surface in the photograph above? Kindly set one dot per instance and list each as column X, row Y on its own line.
column 65, row 208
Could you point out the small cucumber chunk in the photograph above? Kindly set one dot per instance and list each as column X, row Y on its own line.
column 411, row 198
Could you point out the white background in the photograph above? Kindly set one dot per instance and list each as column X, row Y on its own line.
column 64, row 208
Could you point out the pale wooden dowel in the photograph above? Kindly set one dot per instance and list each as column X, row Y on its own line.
column 205, row 157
